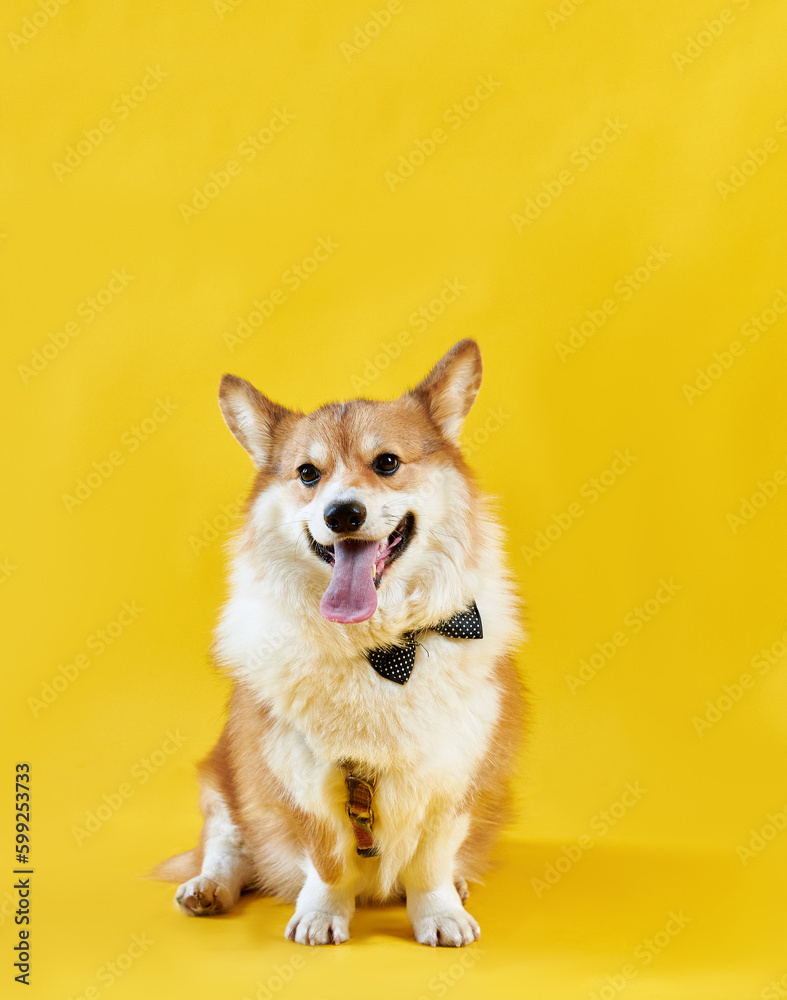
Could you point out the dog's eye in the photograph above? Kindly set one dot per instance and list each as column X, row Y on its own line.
column 309, row 474
column 385, row 464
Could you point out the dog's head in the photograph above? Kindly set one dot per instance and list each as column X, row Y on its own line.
column 368, row 496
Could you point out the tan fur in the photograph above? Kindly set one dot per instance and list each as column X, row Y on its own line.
column 178, row 868
column 305, row 701
column 488, row 799
column 253, row 792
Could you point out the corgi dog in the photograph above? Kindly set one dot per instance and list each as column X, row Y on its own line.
column 376, row 711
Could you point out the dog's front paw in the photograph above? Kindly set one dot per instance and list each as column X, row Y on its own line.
column 317, row 927
column 204, row 897
column 453, row 929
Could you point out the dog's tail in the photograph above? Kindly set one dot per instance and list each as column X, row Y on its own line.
column 178, row 868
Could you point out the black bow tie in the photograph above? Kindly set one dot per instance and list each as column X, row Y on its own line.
column 395, row 663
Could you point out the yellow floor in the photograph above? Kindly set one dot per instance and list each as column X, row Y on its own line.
column 656, row 924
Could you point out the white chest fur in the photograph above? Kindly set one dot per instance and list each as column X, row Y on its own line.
column 423, row 739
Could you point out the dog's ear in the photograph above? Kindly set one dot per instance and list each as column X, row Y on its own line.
column 250, row 416
column 450, row 388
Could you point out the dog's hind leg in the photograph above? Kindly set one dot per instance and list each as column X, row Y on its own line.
column 225, row 869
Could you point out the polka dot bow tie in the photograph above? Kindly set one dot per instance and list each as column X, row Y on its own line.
column 396, row 663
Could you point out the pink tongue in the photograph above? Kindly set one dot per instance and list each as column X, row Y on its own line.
column 351, row 595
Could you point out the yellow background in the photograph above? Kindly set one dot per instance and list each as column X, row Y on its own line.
column 691, row 102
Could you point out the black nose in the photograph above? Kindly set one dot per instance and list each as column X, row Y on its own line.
column 341, row 517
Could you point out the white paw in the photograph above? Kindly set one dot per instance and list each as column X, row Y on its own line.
column 204, row 897
column 317, row 927
column 453, row 929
